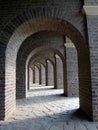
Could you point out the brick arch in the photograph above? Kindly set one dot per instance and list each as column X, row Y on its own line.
column 32, row 67
column 43, row 58
column 12, row 40
column 24, row 67
column 46, row 48
column 39, row 63
column 35, row 12
column 27, row 46
column 43, row 64
column 38, row 59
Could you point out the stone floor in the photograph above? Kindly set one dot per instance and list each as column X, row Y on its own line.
column 47, row 109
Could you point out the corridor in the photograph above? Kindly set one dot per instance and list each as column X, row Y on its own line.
column 46, row 108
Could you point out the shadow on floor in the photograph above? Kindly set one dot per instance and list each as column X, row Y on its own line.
column 60, row 121
column 80, row 115
column 45, row 98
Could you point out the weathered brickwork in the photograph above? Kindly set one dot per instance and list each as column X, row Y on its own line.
column 59, row 71
column 91, row 2
column 20, row 20
column 43, row 74
column 30, row 76
column 50, row 73
column 36, row 74
column 15, row 8
column 72, row 71
column 93, row 43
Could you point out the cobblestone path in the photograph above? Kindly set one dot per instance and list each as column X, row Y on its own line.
column 47, row 109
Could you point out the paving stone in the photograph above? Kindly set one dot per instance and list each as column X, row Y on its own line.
column 80, row 126
column 91, row 126
column 46, row 110
column 58, row 126
column 69, row 126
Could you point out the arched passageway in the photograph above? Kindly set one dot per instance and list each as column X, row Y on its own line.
column 50, row 75
column 55, row 24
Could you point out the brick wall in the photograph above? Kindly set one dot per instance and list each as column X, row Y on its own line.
column 33, row 74
column 36, row 75
column 59, row 71
column 50, row 74
column 93, row 43
column 30, row 76
column 43, row 74
column 91, row 2
column 11, row 9
column 72, row 71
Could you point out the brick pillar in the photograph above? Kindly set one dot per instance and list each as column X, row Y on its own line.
column 46, row 73
column 30, row 76
column 59, row 69
column 55, row 74
column 29, row 79
column 36, row 75
column 92, row 25
column 50, row 74
column 43, row 74
column 2, row 90
column 40, row 75
column 72, row 69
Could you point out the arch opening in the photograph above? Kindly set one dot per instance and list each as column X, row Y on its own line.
column 54, row 24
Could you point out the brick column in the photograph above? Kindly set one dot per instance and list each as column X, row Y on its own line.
column 72, row 69
column 50, row 74
column 36, row 75
column 92, row 25
column 30, row 76
column 40, row 75
column 55, row 74
column 46, row 73
column 59, row 69
column 43, row 74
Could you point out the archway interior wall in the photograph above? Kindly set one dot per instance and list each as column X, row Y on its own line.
column 72, row 68
column 36, row 75
column 72, row 71
column 92, row 24
column 43, row 74
column 50, row 73
column 59, row 71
